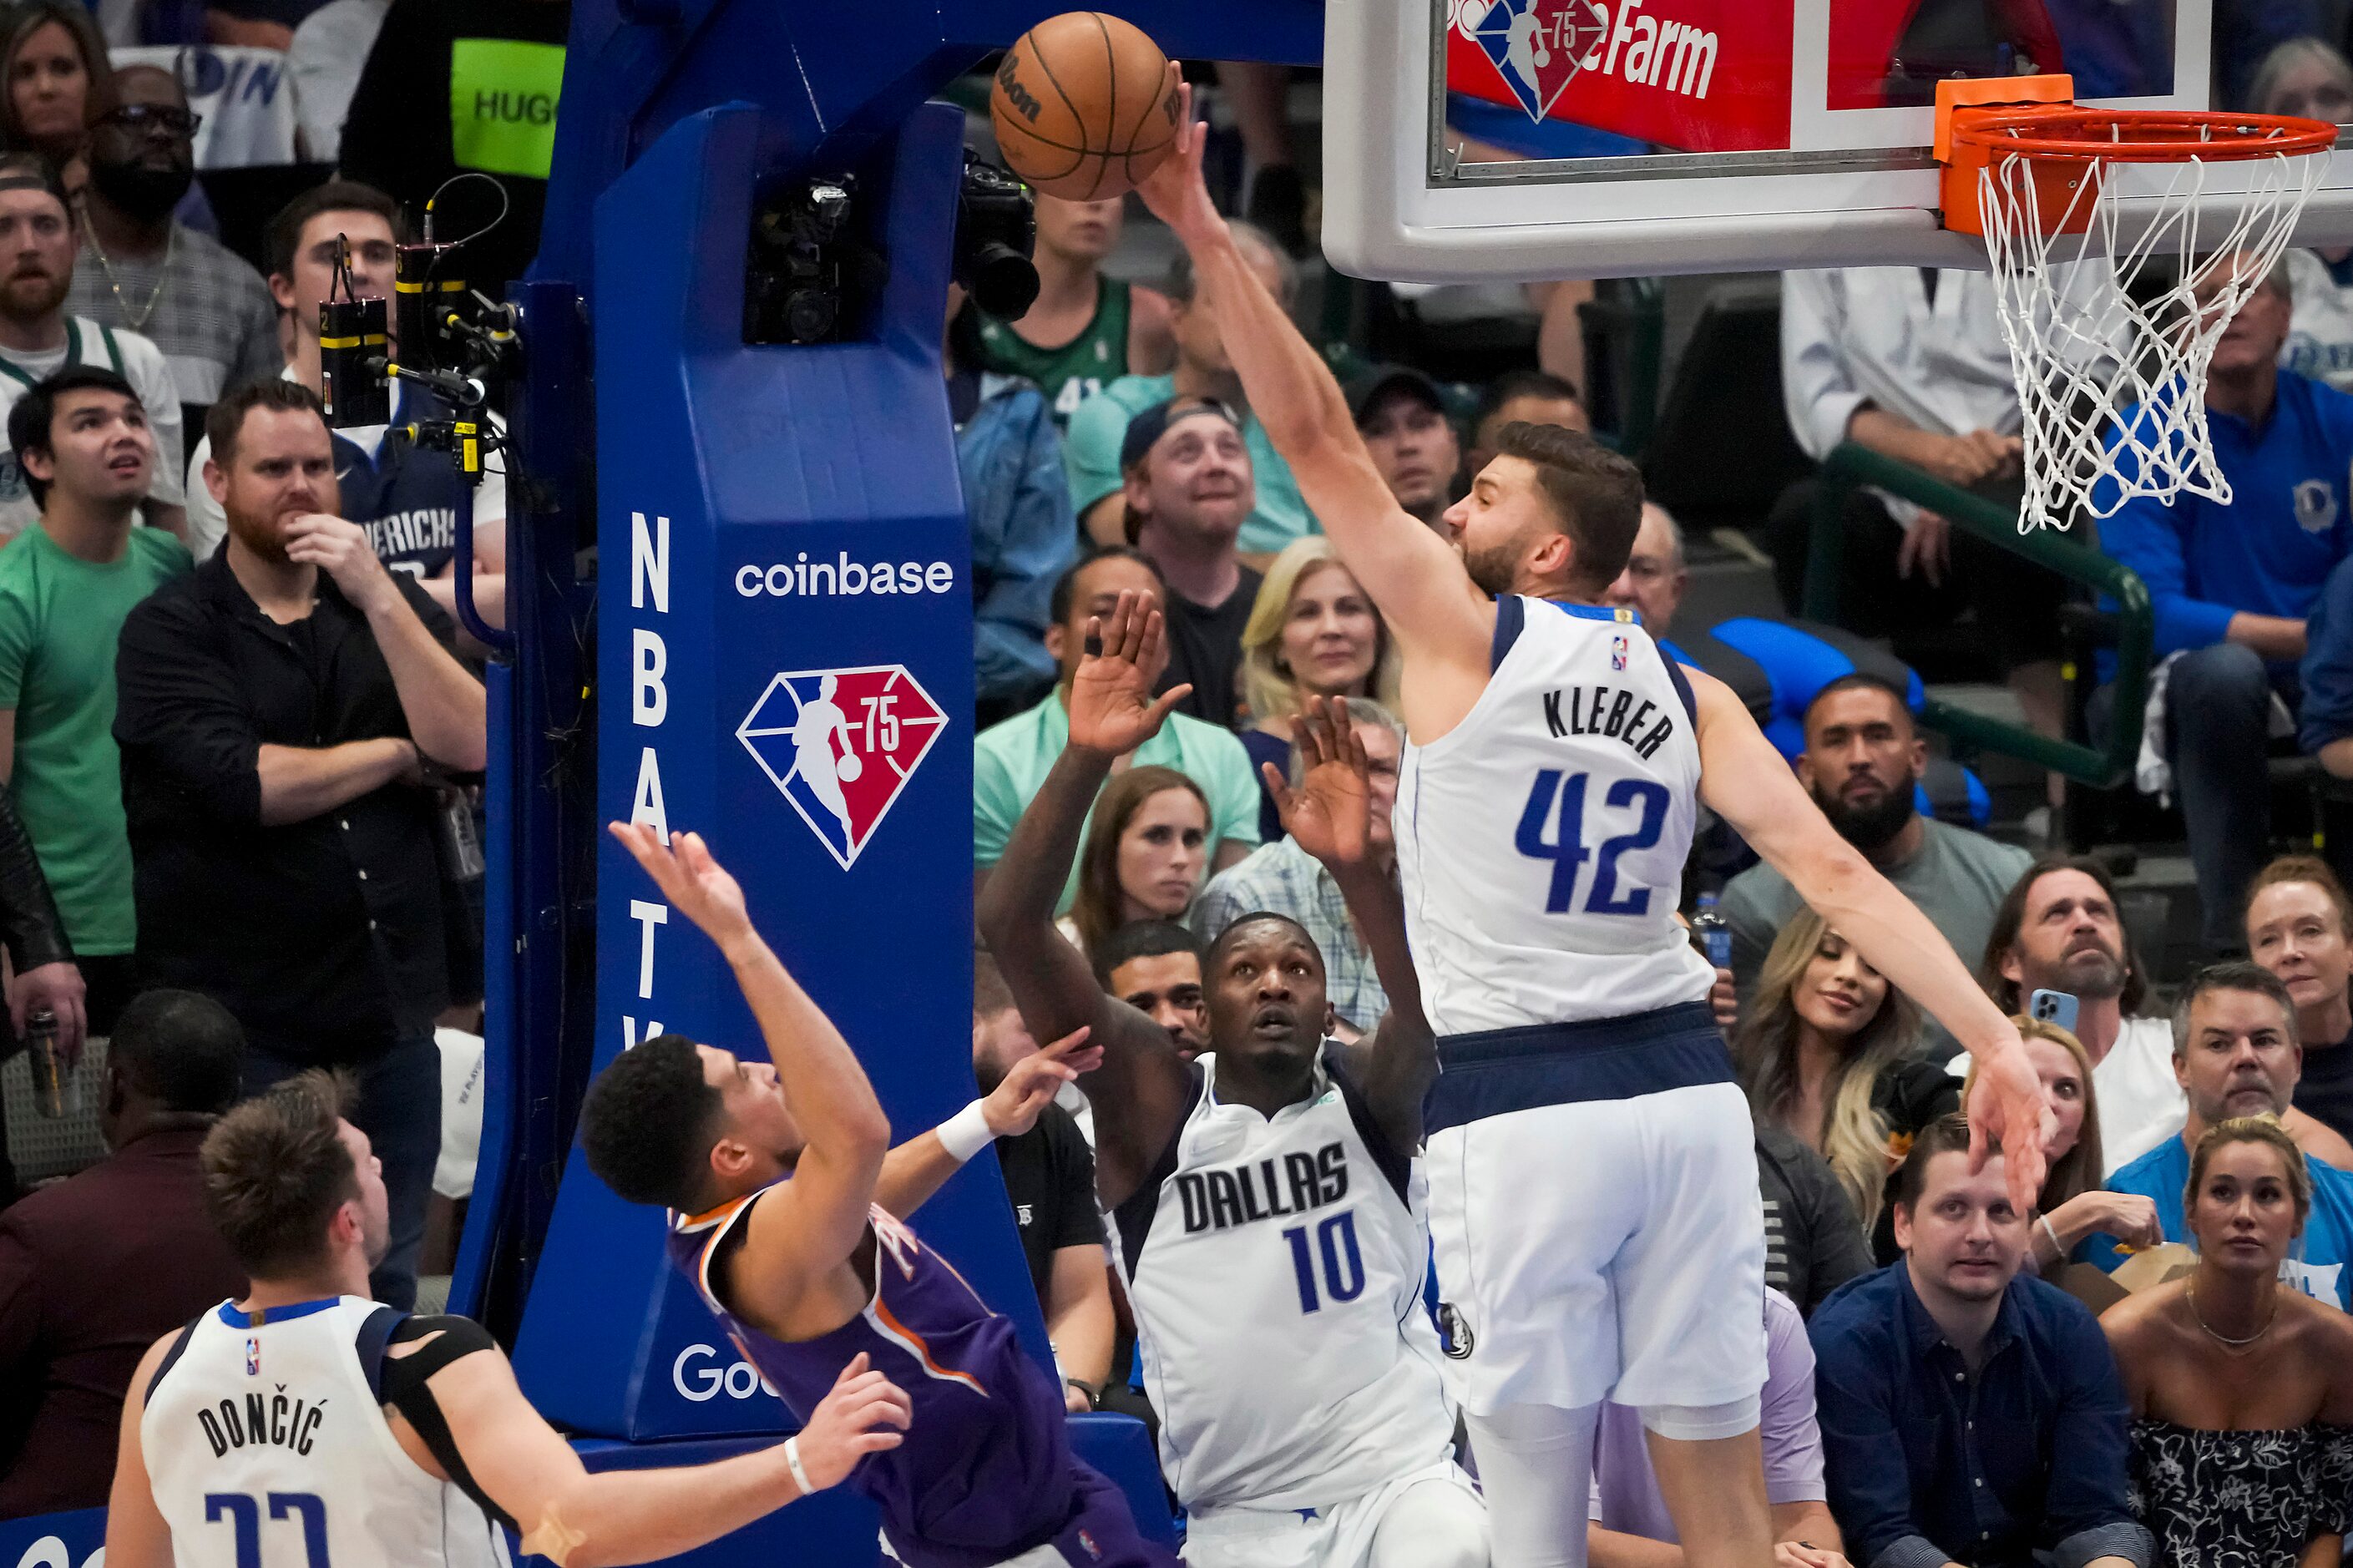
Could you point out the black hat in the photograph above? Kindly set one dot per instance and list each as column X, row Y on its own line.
column 1366, row 391
column 1144, row 431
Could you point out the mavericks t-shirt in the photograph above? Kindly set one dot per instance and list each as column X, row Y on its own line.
column 59, row 618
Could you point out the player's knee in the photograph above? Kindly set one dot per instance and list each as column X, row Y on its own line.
column 1436, row 1524
column 1705, row 1422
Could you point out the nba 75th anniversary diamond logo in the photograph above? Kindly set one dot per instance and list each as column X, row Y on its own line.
column 1536, row 45
column 841, row 744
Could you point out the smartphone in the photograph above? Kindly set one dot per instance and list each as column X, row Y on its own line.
column 2052, row 1007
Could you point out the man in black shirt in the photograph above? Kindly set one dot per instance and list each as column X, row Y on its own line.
column 278, row 711
column 1050, row 1176
column 1188, row 490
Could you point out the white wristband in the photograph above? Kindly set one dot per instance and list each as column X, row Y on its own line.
column 965, row 1133
column 793, row 1463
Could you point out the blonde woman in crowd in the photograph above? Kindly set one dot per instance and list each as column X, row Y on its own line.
column 1827, row 1053
column 1312, row 632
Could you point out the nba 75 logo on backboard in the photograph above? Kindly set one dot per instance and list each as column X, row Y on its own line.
column 1537, row 45
column 841, row 744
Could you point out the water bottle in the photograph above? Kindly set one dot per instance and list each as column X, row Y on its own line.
column 53, row 1086
column 1714, row 936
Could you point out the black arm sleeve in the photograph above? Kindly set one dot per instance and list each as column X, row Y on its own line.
column 402, row 1384
column 29, row 926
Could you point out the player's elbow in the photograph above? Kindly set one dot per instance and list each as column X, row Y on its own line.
column 863, row 1134
column 1004, row 924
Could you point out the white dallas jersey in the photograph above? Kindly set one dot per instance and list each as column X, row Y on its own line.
column 266, row 1447
column 1542, row 840
column 1276, row 1269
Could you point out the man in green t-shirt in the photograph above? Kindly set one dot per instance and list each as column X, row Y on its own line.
column 1010, row 761
column 67, row 583
column 1091, row 446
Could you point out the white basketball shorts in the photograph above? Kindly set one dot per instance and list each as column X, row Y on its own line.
column 1429, row 1517
column 1594, row 1208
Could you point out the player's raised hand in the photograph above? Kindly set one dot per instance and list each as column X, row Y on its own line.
column 1330, row 812
column 696, row 884
column 863, row 1413
column 1112, row 710
column 1013, row 1106
column 2007, row 1106
column 1175, row 192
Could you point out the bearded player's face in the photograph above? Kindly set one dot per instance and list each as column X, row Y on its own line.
column 1266, row 993
column 1499, row 525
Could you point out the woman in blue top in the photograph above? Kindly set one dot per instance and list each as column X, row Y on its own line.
column 2241, row 1388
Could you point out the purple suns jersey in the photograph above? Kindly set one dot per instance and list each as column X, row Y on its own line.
column 985, row 1471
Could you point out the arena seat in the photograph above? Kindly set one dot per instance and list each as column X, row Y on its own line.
column 1776, row 666
column 1720, row 453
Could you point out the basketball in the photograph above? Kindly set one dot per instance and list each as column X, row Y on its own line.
column 1084, row 106
column 849, row 767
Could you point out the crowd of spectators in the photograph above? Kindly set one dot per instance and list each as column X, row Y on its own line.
column 239, row 727
column 236, row 716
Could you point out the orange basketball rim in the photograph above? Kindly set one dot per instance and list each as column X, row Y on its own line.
column 1984, row 123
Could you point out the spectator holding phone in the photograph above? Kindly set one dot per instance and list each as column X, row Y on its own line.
column 2058, row 930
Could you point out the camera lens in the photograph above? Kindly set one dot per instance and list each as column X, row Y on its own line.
column 1003, row 281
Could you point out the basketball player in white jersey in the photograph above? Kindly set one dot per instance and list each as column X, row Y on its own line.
column 306, row 1425
column 1269, row 1204
column 1593, row 1186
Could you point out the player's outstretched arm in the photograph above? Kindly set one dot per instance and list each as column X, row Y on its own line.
column 817, row 1219
column 1744, row 779
column 1411, row 573
column 916, row 1168
column 136, row 1534
column 576, row 1520
column 1138, row 1092
column 1330, row 816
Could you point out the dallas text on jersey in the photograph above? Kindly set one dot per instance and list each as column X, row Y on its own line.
column 1214, row 1200
column 1607, row 711
column 289, row 1424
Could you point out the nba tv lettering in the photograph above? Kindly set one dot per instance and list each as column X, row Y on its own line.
column 1219, row 1200
column 1605, row 711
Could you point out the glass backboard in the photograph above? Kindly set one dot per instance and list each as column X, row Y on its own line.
column 1475, row 138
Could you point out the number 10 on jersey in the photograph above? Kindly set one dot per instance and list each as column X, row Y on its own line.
column 1645, row 799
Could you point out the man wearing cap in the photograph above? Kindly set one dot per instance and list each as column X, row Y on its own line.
column 39, row 339
column 1187, row 484
column 1403, row 421
column 1092, row 443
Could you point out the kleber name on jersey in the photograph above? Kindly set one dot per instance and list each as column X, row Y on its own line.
column 1608, row 711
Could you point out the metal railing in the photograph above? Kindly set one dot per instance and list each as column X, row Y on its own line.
column 1851, row 467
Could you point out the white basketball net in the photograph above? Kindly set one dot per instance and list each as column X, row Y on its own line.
column 2113, row 387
